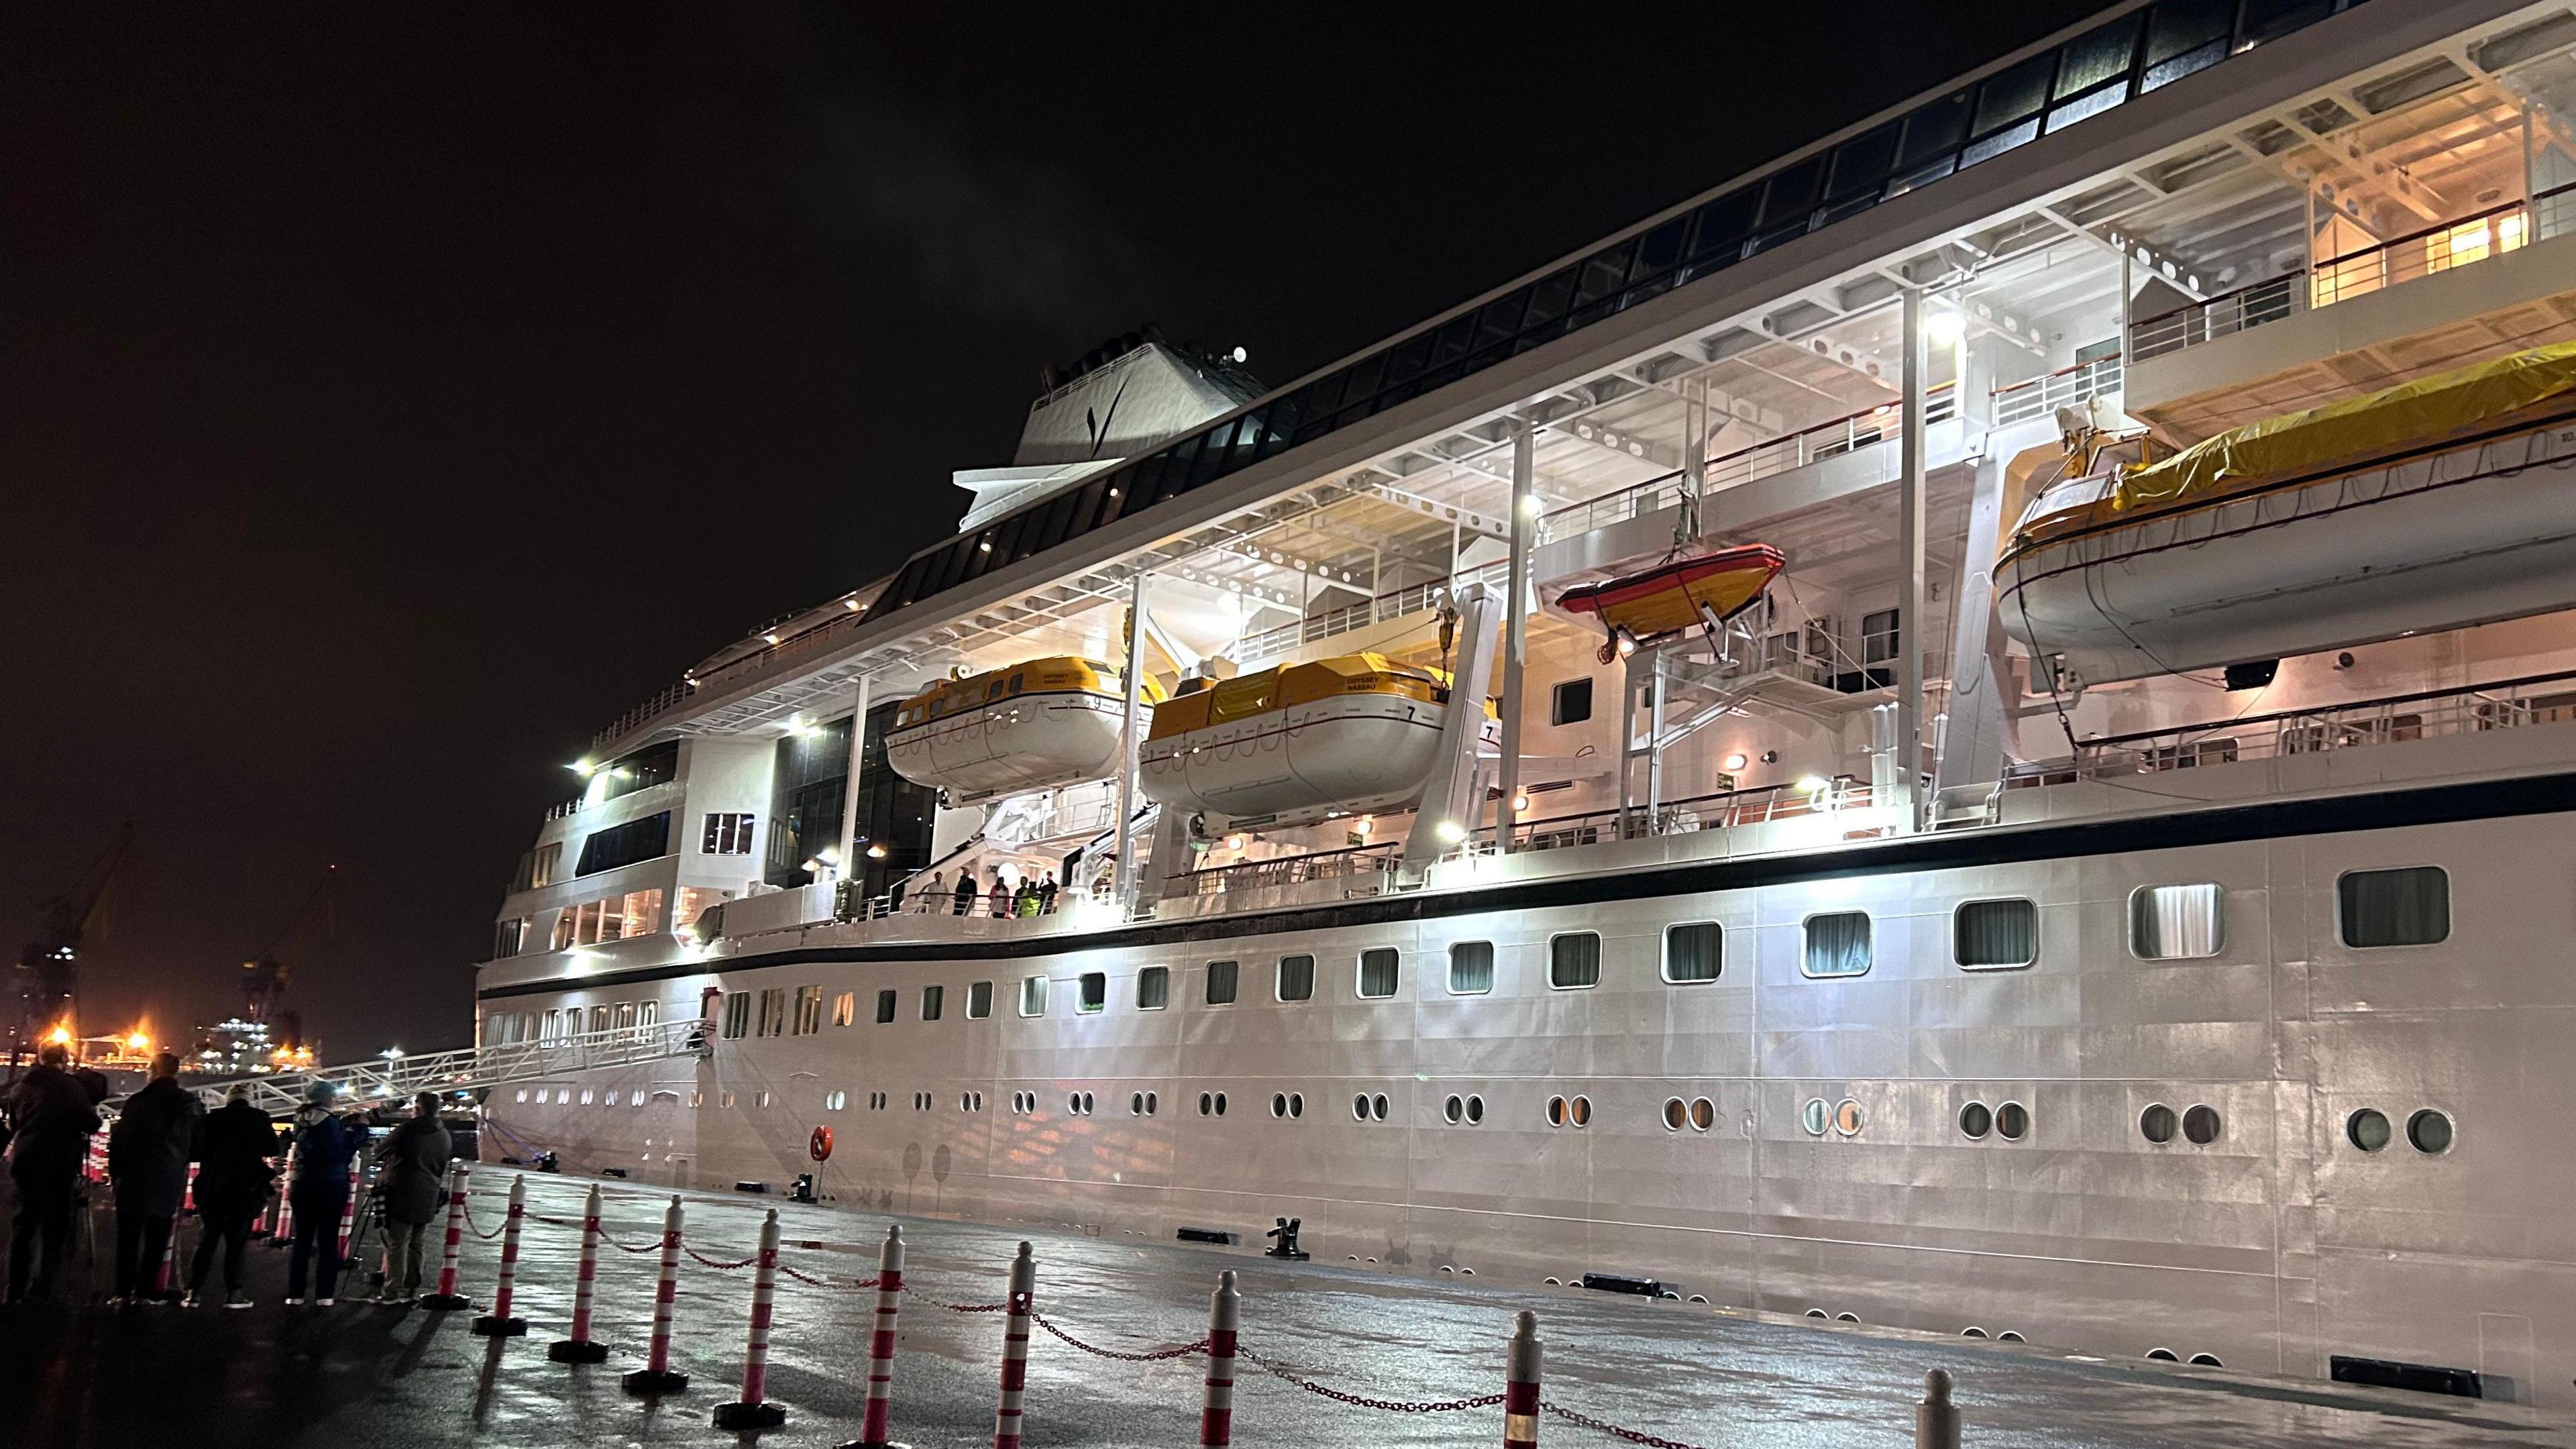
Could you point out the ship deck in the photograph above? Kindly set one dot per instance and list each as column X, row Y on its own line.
column 367, row 1377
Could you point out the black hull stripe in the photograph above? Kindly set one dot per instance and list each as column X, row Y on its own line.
column 2278, row 820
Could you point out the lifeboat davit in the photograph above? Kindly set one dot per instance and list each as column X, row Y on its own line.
column 1358, row 732
column 2438, row 504
column 1035, row 725
column 1676, row 596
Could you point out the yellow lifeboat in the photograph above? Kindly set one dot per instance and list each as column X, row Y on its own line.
column 1035, row 725
column 1356, row 732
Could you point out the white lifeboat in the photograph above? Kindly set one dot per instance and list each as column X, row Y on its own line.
column 1357, row 732
column 2442, row 503
column 1035, row 725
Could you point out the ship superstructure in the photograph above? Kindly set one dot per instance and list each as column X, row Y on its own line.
column 1763, row 755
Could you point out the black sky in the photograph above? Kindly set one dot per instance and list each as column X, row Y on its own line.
column 390, row 396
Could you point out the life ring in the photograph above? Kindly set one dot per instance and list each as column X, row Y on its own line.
column 819, row 1146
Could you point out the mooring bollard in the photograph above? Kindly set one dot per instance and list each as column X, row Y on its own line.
column 447, row 1298
column 284, row 1230
column 349, row 1206
column 1936, row 1419
column 656, row 1376
column 498, row 1323
column 579, row 1348
column 1015, row 1349
column 1520, row 1385
column 880, row 1412
column 754, row 1411
column 1225, row 1317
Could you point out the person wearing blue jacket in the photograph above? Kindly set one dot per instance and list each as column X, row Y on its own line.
column 324, row 1144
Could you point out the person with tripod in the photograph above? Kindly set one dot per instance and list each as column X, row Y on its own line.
column 411, row 1178
column 319, row 1192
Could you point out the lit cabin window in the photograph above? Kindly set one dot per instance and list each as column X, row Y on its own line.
column 1296, row 978
column 1033, row 996
column 2410, row 906
column 1994, row 935
column 1378, row 972
column 1471, row 970
column 1838, row 944
column 2177, row 922
column 886, row 1007
column 1574, row 960
column 979, row 1000
column 1153, row 988
column 1095, row 991
column 845, row 1008
column 809, row 1010
column 1220, row 983
column 1694, row 951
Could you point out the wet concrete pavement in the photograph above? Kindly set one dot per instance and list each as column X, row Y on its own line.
column 362, row 1376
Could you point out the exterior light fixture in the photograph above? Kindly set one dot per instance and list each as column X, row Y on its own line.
column 1364, row 824
column 1944, row 327
column 877, row 850
column 1627, row 643
column 1813, row 784
column 1520, row 804
column 1530, row 505
column 829, row 855
column 582, row 768
column 138, row 1041
column 1735, row 761
column 768, row 638
column 850, row 604
column 1450, row 831
column 985, row 547
column 393, row 1053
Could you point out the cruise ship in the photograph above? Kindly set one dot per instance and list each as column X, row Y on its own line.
column 1973, row 730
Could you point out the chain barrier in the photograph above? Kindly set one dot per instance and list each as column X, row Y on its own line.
column 477, row 1227
column 652, row 1246
column 1633, row 1436
column 1397, row 1406
column 1153, row 1357
column 974, row 1307
column 853, row 1286
column 719, row 1265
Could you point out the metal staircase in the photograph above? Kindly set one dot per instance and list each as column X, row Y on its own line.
column 394, row 1079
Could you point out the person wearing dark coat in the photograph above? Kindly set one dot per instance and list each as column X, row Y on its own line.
column 965, row 894
column 319, row 1194
column 52, row 1119
column 147, row 1163
column 234, row 1144
column 412, row 1176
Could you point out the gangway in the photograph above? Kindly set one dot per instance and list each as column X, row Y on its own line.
column 397, row 1078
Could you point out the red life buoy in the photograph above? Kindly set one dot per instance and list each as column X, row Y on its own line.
column 820, row 1145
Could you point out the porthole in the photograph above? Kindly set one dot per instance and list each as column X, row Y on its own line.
column 1972, row 1331
column 1279, row 1104
column 2164, row 1355
column 2008, row 1336
column 1207, row 1103
column 1579, row 1111
column 1703, row 1114
column 1846, row 1318
column 1976, row 1120
column 2012, row 1121
column 1086, row 1104
column 1815, row 1116
column 1475, row 1109
column 1220, row 1104
column 2202, row 1125
column 1073, row 1103
column 2429, row 1132
column 1453, row 1109
column 1359, row 1108
column 2157, row 1123
column 1135, row 1104
column 1556, row 1111
column 2207, row 1360
column 1676, row 1114
column 2367, row 1129
column 1377, row 1106
column 1817, row 1313
column 1153, row 1103
column 1847, row 1118
column 1296, row 1104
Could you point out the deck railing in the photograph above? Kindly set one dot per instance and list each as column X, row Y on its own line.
column 393, row 1079
column 2041, row 397
column 1725, row 809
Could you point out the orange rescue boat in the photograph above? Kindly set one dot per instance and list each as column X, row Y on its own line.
column 1675, row 596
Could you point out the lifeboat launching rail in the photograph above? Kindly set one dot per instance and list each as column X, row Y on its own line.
column 1036, row 725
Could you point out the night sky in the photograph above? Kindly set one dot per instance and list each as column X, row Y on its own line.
column 391, row 396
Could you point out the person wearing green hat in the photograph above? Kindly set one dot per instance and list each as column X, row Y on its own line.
column 324, row 1144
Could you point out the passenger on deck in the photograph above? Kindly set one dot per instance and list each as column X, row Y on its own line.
column 52, row 1118
column 933, row 895
column 147, row 1160
column 965, row 893
column 1046, row 895
column 999, row 903
column 233, row 1147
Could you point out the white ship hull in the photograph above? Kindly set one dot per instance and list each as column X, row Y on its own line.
column 1024, row 742
column 1358, row 751
column 2459, row 538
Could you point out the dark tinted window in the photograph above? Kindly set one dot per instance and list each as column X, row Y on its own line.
column 2406, row 907
column 636, row 840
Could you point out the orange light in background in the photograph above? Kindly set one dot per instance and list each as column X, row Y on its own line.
column 60, row 1036
column 138, row 1040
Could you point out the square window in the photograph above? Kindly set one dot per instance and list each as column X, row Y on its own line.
column 2409, row 906
column 1094, row 987
column 886, row 1007
column 1694, row 951
column 979, row 1000
column 1220, row 983
column 2177, row 922
column 1571, row 703
column 1296, row 978
column 1378, row 972
column 1471, row 969
column 1153, row 988
column 1574, row 960
column 1838, row 944
column 934, row 999
column 1033, row 996
column 1987, row 935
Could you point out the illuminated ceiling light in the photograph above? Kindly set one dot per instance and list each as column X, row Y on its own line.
column 1364, row 824
column 1813, row 784
column 1530, row 504
column 1242, row 356
column 850, row 604
column 1735, row 761
column 877, row 851
column 1944, row 327
column 1450, row 831
column 1627, row 643
column 1520, row 804
column 829, row 855
column 985, row 547
column 1234, row 842
column 768, row 638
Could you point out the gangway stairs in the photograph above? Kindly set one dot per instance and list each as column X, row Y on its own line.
column 398, row 1078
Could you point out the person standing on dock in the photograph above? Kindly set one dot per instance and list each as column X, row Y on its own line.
column 51, row 1119
column 412, row 1175
column 319, row 1192
column 147, row 1161
column 233, row 1174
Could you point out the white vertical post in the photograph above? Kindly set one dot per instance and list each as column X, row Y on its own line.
column 1909, row 573
column 850, row 788
column 1655, row 742
column 1516, row 627
column 1695, row 432
column 1131, row 745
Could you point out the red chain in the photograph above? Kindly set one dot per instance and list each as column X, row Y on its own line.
column 654, row 1246
column 1182, row 1352
column 1633, row 1436
column 1398, row 1406
column 852, row 1286
column 721, row 1267
column 478, row 1231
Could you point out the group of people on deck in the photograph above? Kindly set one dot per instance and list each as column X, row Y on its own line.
column 158, row 1132
column 1006, row 895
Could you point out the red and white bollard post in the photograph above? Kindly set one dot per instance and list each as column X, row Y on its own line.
column 349, row 1207
column 880, row 1412
column 285, row 1227
column 498, row 1323
column 166, row 1287
column 656, row 1376
column 753, row 1410
column 1225, row 1318
column 1936, row 1419
column 1015, row 1349
column 1520, row 1385
column 447, row 1298
column 579, row 1348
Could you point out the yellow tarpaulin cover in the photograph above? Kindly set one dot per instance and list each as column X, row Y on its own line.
column 2429, row 410
column 1285, row 685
